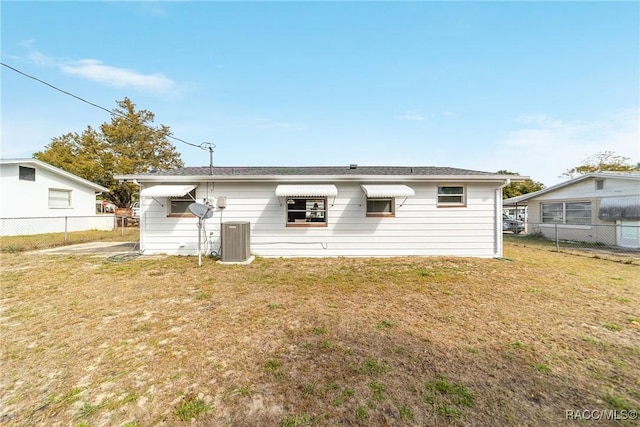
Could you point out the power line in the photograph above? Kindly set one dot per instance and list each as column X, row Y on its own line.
column 204, row 146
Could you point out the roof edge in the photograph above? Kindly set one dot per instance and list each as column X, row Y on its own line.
column 525, row 197
column 319, row 178
column 56, row 170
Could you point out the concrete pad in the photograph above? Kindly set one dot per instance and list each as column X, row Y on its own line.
column 245, row 262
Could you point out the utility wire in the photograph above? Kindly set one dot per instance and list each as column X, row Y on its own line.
column 204, row 146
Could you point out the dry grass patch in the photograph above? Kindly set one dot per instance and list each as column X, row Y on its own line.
column 292, row 342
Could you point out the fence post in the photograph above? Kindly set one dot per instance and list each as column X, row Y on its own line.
column 66, row 219
column 122, row 225
column 557, row 241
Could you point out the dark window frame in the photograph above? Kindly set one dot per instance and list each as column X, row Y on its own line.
column 183, row 203
column 26, row 173
column 384, row 213
column 306, row 211
column 446, row 199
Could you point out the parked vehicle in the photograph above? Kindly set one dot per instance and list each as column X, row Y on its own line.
column 136, row 209
column 511, row 224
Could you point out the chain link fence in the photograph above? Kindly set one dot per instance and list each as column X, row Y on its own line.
column 619, row 240
column 30, row 233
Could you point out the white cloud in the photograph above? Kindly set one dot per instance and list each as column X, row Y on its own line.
column 419, row 117
column 413, row 116
column 545, row 147
column 95, row 70
column 264, row 123
column 27, row 43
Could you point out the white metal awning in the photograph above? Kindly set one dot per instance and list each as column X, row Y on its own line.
column 387, row 190
column 328, row 190
column 165, row 190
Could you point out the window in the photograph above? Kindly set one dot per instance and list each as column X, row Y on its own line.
column 26, row 174
column 578, row 213
column 59, row 198
column 306, row 212
column 381, row 207
column 599, row 184
column 451, row 195
column 180, row 205
column 552, row 213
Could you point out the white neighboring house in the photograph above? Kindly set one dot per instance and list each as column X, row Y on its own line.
column 595, row 208
column 37, row 198
column 326, row 211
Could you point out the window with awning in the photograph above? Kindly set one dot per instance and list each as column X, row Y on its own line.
column 387, row 191
column 381, row 198
column 167, row 190
column 619, row 208
column 306, row 190
column 179, row 197
column 306, row 204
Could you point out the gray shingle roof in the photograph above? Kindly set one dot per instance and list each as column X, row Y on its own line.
column 318, row 170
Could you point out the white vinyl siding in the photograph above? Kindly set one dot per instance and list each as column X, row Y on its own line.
column 420, row 227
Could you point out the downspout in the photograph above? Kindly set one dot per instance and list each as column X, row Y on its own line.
column 498, row 222
column 141, row 221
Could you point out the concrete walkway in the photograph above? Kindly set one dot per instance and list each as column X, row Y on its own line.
column 92, row 248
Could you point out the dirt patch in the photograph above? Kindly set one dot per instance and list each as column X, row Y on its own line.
column 92, row 248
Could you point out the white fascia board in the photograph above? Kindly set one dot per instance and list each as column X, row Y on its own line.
column 322, row 178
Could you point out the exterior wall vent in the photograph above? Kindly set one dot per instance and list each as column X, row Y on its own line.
column 236, row 241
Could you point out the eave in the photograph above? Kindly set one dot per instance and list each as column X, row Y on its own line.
column 142, row 179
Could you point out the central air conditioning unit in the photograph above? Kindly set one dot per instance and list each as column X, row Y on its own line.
column 235, row 241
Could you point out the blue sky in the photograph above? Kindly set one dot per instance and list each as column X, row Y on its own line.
column 531, row 87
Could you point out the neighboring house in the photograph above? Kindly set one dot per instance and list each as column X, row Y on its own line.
column 597, row 207
column 36, row 190
column 327, row 211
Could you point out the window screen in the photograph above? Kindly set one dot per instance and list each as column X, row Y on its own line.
column 26, row 173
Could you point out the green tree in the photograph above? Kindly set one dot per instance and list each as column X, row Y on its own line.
column 605, row 161
column 519, row 188
column 126, row 145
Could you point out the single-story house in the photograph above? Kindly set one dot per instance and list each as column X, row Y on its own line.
column 37, row 197
column 325, row 211
column 599, row 207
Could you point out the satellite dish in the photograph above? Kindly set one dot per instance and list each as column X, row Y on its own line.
column 200, row 210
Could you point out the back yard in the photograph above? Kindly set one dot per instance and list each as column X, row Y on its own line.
column 291, row 342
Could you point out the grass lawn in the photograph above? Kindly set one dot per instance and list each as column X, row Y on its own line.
column 323, row 342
